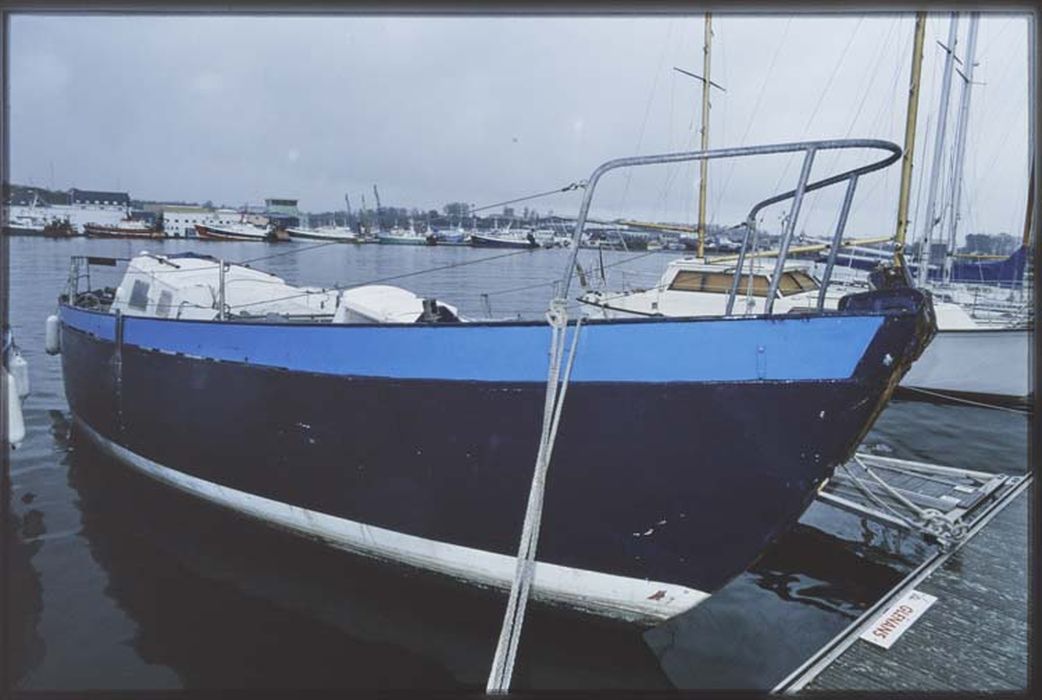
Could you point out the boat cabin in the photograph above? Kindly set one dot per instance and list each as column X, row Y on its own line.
column 191, row 287
column 694, row 287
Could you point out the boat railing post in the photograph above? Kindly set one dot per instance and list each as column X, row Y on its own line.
column 220, row 293
column 117, row 368
column 837, row 240
column 750, row 224
column 790, row 226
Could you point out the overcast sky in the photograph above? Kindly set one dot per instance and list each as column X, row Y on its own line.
column 484, row 109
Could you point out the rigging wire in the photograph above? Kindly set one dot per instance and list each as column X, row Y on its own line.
column 389, row 278
column 647, row 112
column 821, row 98
column 874, row 126
column 567, row 188
column 756, row 106
column 631, row 258
column 835, row 156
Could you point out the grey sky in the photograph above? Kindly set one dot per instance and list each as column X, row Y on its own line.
column 438, row 109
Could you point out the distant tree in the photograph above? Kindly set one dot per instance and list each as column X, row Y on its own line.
column 456, row 209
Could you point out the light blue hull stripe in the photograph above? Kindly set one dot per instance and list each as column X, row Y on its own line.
column 781, row 349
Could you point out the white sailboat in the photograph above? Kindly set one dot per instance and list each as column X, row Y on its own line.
column 985, row 358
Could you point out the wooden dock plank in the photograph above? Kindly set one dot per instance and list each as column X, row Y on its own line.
column 975, row 636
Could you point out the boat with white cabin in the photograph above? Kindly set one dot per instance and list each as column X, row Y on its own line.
column 323, row 233
column 968, row 357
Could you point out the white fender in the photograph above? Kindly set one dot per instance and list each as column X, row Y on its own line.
column 52, row 335
column 15, row 422
column 19, row 370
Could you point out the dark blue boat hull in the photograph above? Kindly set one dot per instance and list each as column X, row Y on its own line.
column 681, row 482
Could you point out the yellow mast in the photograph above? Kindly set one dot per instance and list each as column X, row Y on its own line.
column 704, row 164
column 909, row 148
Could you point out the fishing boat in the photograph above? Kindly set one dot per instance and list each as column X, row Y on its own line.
column 503, row 239
column 26, row 225
column 323, row 233
column 334, row 413
column 127, row 228
column 456, row 236
column 59, row 228
column 29, row 223
column 400, row 236
column 241, row 231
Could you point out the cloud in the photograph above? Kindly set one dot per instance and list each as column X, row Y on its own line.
column 483, row 109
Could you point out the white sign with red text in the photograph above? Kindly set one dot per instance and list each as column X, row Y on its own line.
column 897, row 618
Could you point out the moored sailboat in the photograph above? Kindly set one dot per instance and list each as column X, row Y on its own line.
column 346, row 429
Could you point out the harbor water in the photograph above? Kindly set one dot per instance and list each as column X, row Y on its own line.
column 115, row 582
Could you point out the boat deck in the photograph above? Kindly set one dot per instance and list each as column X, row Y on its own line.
column 975, row 636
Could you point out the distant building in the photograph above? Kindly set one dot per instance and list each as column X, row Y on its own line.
column 22, row 195
column 180, row 220
column 99, row 198
column 287, row 207
column 282, row 212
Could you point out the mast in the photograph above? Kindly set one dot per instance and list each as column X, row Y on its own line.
column 361, row 218
column 909, row 148
column 938, row 152
column 347, row 202
column 379, row 220
column 960, row 141
column 703, row 165
column 1029, row 214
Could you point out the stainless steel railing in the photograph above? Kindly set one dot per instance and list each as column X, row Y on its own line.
column 809, row 148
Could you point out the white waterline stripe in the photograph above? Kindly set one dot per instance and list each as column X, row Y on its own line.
column 635, row 600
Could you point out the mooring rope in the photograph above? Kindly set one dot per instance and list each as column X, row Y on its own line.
column 556, row 388
column 928, row 519
column 968, row 402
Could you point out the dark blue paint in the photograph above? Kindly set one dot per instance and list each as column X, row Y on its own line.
column 711, row 471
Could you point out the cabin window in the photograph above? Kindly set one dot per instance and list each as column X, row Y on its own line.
column 139, row 295
column 716, row 283
column 163, row 307
column 795, row 282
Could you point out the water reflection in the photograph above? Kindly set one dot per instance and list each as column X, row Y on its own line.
column 116, row 582
column 228, row 603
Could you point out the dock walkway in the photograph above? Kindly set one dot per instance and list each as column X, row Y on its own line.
column 974, row 638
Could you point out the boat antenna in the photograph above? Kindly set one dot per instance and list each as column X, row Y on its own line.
column 938, row 152
column 909, row 147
